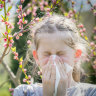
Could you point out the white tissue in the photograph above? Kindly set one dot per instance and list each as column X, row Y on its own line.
column 68, row 69
column 57, row 76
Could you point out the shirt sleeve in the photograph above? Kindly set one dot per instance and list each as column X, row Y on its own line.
column 82, row 89
column 28, row 90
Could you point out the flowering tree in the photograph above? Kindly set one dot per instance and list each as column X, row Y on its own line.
column 36, row 7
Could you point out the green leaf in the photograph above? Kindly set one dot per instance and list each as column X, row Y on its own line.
column 94, row 53
column 13, row 49
column 3, row 17
column 9, row 8
column 23, row 19
column 86, row 38
column 3, row 34
column 0, row 9
column 20, row 66
column 21, row 59
column 65, row 14
column 81, row 5
column 57, row 1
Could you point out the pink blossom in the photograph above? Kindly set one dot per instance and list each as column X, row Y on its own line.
column 25, row 22
column 21, row 21
column 82, row 34
column 20, row 27
column 35, row 8
column 37, row 19
column 1, row 5
column 48, row 9
column 24, row 14
column 18, row 23
column 29, row 76
column 11, row 89
column 92, row 44
column 22, row 1
column 42, row 8
column 24, row 80
column 46, row 3
column 20, row 34
column 94, row 66
column 28, row 42
column 2, row 20
column 11, row 41
column 15, row 57
column 20, row 7
column 6, row 22
column 6, row 33
column 17, row 37
column 28, row 11
column 25, row 70
column 20, row 63
column 81, row 30
column 15, row 53
column 10, row 45
column 19, row 16
column 84, row 29
column 5, row 45
column 5, row 39
column 81, row 26
column 9, row 36
column 11, row 26
column 41, row 4
column 8, row 14
column 39, row 73
column 34, row 13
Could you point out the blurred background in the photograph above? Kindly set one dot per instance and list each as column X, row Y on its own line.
column 87, row 18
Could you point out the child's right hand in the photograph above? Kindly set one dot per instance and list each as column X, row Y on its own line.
column 48, row 78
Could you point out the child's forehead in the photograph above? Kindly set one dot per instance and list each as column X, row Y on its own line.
column 54, row 40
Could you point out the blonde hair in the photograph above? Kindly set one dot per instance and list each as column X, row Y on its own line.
column 59, row 23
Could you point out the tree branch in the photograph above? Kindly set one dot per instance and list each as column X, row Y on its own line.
column 10, row 73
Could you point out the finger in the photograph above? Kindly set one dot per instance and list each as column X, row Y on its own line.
column 63, row 65
column 48, row 69
column 53, row 72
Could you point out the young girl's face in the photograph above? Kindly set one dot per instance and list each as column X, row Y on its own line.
column 53, row 44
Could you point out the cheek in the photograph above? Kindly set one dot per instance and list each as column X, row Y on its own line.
column 68, row 59
column 44, row 61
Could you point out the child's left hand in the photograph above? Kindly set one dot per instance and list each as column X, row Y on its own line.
column 63, row 83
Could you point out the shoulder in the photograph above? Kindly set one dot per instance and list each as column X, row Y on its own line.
column 28, row 90
column 82, row 89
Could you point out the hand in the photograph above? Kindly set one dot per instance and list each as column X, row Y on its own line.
column 48, row 78
column 63, row 83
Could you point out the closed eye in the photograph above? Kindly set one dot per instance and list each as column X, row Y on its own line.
column 60, row 53
column 46, row 53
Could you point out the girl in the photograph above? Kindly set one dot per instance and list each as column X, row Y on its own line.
column 57, row 36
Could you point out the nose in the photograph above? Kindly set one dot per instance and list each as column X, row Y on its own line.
column 54, row 57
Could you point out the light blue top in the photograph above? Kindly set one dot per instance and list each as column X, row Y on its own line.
column 81, row 89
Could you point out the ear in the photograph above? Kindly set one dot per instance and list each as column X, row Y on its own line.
column 78, row 53
column 35, row 55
